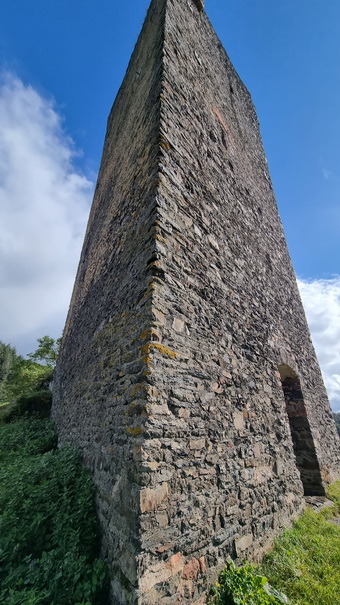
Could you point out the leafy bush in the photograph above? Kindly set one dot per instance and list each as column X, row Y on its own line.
column 19, row 376
column 25, row 376
column 37, row 402
column 49, row 541
column 25, row 438
column 244, row 586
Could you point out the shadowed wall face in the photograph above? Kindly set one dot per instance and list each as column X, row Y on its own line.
column 303, row 442
column 185, row 305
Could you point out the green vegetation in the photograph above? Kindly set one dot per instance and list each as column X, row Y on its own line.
column 7, row 359
column 34, row 402
column 304, row 565
column 47, row 351
column 305, row 562
column 19, row 376
column 25, row 376
column 49, row 540
column 244, row 586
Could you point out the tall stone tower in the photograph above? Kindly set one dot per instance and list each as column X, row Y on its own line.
column 187, row 374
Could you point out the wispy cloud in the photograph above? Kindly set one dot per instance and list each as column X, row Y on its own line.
column 44, row 203
column 326, row 173
column 321, row 299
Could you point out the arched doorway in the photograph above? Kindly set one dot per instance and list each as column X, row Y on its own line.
column 303, row 442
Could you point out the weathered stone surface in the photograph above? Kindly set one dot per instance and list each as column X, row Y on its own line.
column 242, row 544
column 150, row 499
column 191, row 569
column 161, row 572
column 186, row 373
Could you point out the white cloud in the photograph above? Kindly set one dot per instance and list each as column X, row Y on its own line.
column 321, row 299
column 44, row 202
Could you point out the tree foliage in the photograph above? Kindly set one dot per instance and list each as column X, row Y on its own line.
column 19, row 376
column 8, row 359
column 47, row 351
column 26, row 376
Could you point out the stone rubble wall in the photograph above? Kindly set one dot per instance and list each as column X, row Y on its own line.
column 228, row 309
column 184, row 307
column 100, row 381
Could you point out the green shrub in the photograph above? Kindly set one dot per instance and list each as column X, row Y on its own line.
column 5, row 409
column 36, row 402
column 244, row 586
column 24, row 438
column 25, row 376
column 49, row 541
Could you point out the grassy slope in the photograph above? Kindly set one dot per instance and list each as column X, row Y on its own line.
column 305, row 562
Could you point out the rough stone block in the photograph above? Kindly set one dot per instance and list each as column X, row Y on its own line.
column 241, row 544
column 151, row 498
column 161, row 572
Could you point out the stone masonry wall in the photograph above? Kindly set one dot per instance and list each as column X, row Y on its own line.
column 97, row 392
column 229, row 310
column 184, row 310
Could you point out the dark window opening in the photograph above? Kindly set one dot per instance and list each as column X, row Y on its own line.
column 303, row 442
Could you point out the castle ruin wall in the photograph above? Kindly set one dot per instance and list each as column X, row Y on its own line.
column 186, row 331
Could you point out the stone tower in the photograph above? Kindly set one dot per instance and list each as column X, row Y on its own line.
column 187, row 374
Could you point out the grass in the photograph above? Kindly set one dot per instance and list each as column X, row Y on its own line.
column 305, row 561
column 303, row 568
column 49, row 540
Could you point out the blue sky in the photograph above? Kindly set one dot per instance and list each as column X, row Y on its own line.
column 61, row 64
